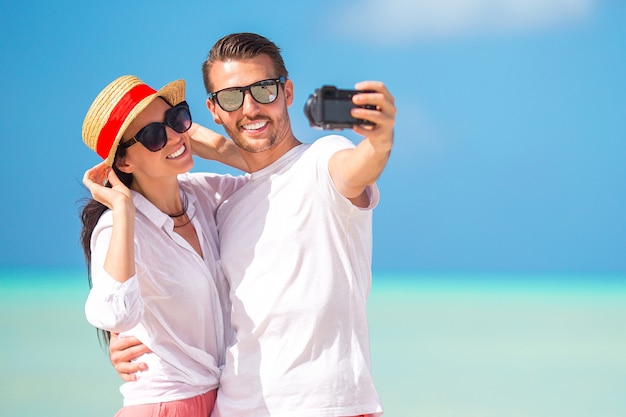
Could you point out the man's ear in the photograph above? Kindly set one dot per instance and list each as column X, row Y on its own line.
column 211, row 106
column 289, row 92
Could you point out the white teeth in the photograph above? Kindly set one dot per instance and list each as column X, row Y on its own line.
column 255, row 126
column 178, row 153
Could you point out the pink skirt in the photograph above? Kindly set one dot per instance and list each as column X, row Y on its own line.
column 198, row 406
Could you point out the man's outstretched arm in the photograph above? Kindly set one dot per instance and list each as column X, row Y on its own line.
column 352, row 170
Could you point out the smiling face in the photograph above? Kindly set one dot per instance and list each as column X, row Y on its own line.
column 175, row 158
column 262, row 131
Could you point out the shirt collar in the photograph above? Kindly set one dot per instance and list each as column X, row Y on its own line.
column 156, row 216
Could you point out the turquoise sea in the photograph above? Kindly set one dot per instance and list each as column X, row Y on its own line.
column 442, row 346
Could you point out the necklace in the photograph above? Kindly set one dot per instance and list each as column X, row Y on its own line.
column 184, row 210
column 184, row 224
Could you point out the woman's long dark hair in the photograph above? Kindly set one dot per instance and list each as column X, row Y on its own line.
column 91, row 213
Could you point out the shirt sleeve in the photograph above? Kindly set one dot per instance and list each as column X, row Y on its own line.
column 325, row 148
column 111, row 305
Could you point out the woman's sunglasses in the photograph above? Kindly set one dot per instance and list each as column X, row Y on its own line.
column 154, row 137
column 264, row 92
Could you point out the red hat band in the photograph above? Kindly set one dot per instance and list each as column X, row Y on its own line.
column 118, row 115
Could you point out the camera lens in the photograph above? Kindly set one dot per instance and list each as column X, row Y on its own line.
column 310, row 109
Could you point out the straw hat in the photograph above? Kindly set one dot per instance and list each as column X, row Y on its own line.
column 116, row 107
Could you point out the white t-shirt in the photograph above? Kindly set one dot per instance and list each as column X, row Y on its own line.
column 172, row 304
column 297, row 255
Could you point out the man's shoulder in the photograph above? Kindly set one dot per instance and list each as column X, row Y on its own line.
column 331, row 143
column 331, row 139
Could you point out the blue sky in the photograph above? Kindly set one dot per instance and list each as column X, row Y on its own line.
column 510, row 133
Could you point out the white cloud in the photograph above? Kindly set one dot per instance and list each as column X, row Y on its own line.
column 385, row 21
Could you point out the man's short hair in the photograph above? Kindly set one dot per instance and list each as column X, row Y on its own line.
column 238, row 46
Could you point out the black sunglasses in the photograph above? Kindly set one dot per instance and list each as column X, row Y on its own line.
column 153, row 135
column 264, row 92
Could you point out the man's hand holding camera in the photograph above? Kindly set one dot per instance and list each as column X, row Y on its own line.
column 377, row 106
column 368, row 109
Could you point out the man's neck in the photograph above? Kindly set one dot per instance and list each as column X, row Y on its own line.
column 258, row 160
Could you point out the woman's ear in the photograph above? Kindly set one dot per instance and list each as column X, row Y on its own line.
column 123, row 166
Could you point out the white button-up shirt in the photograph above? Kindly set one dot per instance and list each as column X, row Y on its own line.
column 177, row 303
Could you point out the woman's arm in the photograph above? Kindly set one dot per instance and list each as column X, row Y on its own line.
column 120, row 259
column 114, row 302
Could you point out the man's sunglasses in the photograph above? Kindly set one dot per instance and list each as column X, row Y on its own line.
column 154, row 137
column 264, row 92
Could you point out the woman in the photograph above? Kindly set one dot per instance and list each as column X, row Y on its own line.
column 151, row 244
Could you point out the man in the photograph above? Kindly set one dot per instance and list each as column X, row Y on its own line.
column 295, row 243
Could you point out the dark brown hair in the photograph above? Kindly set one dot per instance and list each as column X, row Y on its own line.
column 242, row 46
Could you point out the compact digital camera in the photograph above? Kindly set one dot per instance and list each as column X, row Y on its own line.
column 329, row 108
